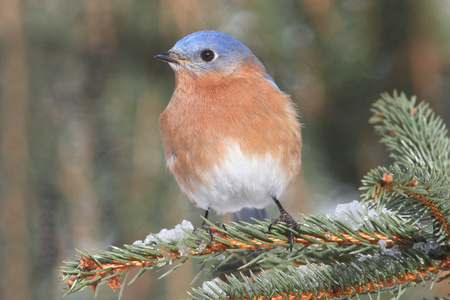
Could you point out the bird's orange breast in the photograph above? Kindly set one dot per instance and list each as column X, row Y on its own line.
column 208, row 111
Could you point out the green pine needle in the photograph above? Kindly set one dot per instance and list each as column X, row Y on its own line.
column 398, row 235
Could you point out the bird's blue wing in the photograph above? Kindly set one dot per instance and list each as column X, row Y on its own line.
column 267, row 76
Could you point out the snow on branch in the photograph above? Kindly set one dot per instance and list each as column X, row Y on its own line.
column 396, row 235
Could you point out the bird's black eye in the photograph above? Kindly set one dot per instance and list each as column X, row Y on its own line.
column 207, row 55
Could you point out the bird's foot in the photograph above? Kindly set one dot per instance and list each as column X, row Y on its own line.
column 291, row 224
column 208, row 228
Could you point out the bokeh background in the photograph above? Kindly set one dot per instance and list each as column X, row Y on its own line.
column 81, row 163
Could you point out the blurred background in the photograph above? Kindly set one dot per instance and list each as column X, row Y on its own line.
column 81, row 163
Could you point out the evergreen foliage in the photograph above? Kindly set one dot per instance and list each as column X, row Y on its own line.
column 396, row 236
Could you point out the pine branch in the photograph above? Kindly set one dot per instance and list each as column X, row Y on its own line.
column 325, row 281
column 420, row 197
column 317, row 231
column 398, row 235
column 421, row 149
column 412, row 132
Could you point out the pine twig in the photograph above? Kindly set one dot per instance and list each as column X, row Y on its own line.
column 319, row 230
column 397, row 236
column 321, row 281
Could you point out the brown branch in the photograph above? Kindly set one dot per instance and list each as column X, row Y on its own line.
column 116, row 267
column 433, row 210
column 386, row 182
column 364, row 288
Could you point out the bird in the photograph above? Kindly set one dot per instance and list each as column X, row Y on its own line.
column 231, row 137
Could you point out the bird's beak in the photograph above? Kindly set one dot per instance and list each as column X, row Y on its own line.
column 167, row 57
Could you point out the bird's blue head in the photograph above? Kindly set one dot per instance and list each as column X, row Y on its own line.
column 208, row 50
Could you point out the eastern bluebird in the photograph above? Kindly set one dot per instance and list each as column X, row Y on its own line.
column 231, row 137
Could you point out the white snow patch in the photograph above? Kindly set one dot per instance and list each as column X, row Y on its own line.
column 213, row 288
column 426, row 247
column 393, row 251
column 382, row 244
column 354, row 214
column 364, row 257
column 357, row 267
column 168, row 235
column 139, row 243
column 303, row 270
column 201, row 247
column 426, row 227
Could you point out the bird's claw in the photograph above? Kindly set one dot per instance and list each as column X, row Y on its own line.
column 291, row 224
column 208, row 228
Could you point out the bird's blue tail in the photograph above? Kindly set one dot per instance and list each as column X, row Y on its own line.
column 246, row 215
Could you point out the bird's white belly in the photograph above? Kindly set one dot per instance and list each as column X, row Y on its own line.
column 241, row 181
